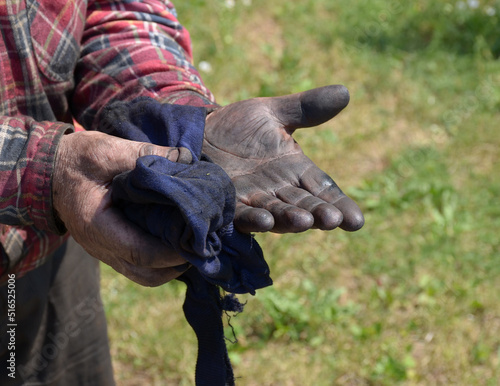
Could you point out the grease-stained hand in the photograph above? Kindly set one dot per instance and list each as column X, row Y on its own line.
column 86, row 163
column 278, row 187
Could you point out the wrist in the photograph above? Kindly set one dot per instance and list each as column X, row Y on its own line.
column 58, row 182
column 191, row 98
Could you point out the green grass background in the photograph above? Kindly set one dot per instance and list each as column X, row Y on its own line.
column 413, row 297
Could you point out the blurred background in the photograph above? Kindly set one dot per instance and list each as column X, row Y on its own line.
column 413, row 297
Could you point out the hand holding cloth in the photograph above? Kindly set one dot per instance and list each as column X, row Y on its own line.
column 191, row 208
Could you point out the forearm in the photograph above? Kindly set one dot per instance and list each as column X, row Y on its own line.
column 138, row 50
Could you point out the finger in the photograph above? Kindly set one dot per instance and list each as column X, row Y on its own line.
column 138, row 247
column 323, row 187
column 149, row 277
column 132, row 244
column 174, row 154
column 139, row 149
column 124, row 154
column 287, row 218
column 117, row 155
column 353, row 217
column 248, row 219
column 326, row 216
column 310, row 108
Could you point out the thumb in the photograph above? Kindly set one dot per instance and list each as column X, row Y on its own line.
column 125, row 153
column 310, row 108
column 112, row 155
column 174, row 154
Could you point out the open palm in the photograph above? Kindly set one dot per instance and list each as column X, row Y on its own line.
column 278, row 187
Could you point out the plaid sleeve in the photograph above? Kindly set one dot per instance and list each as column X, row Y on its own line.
column 131, row 49
column 27, row 151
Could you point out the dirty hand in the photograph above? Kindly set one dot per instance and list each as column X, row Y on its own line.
column 278, row 187
column 86, row 163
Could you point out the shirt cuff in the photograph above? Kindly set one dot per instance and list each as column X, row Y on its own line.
column 42, row 212
column 191, row 98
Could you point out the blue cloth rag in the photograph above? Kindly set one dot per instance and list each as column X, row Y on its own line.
column 191, row 208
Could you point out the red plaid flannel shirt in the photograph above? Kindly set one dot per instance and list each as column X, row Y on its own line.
column 61, row 61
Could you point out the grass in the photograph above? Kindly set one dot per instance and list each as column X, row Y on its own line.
column 412, row 298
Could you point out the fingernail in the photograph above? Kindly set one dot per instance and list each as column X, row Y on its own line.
column 173, row 154
column 185, row 156
column 147, row 150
